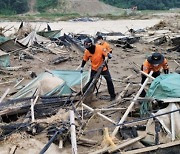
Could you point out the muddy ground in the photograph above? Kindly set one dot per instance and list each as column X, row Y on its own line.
column 121, row 66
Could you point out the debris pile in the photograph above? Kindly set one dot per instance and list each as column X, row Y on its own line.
column 42, row 100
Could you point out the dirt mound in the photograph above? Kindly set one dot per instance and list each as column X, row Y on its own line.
column 88, row 7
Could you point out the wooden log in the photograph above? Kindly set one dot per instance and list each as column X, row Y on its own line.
column 127, row 143
column 151, row 148
column 73, row 133
column 98, row 113
column 130, row 106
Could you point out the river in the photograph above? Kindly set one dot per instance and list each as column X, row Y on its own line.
column 86, row 27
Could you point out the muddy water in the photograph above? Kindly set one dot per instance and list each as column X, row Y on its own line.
column 87, row 27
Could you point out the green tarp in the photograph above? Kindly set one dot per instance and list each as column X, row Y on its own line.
column 61, row 83
column 3, row 39
column 4, row 59
column 50, row 34
column 165, row 86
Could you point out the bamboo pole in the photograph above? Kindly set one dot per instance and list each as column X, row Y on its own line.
column 173, row 107
column 73, row 133
column 147, row 75
column 130, row 106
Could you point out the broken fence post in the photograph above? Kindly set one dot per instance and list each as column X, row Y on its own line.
column 130, row 106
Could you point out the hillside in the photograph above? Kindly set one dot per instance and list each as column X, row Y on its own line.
column 82, row 7
column 90, row 7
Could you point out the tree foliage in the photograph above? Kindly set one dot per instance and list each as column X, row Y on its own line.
column 145, row 4
column 13, row 6
column 42, row 5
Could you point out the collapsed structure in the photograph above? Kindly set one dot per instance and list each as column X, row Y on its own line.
column 52, row 102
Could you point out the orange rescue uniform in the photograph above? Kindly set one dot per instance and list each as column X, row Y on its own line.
column 147, row 67
column 97, row 58
column 106, row 47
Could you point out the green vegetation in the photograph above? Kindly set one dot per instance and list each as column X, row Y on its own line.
column 42, row 5
column 145, row 4
column 9, row 7
column 40, row 17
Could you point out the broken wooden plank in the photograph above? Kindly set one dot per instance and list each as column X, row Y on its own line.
column 109, row 109
column 88, row 141
column 151, row 148
column 18, row 83
column 6, row 82
column 123, row 92
column 98, row 113
column 4, row 95
column 125, row 144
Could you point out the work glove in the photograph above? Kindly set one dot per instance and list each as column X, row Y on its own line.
column 109, row 55
column 81, row 70
column 106, row 59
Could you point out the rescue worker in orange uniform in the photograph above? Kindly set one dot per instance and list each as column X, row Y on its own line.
column 154, row 63
column 97, row 55
column 105, row 45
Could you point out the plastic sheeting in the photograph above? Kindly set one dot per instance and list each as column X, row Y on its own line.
column 165, row 86
column 33, row 37
column 4, row 59
column 58, row 82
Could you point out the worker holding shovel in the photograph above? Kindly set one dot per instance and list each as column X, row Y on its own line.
column 97, row 56
column 154, row 63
